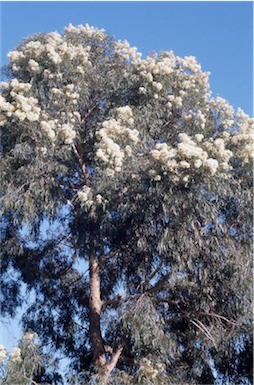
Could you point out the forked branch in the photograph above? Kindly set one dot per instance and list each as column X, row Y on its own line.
column 204, row 330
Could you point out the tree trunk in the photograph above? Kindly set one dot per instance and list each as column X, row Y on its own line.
column 101, row 366
column 95, row 305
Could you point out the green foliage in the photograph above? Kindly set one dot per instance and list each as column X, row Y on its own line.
column 24, row 361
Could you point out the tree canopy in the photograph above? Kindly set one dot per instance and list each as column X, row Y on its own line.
column 126, row 197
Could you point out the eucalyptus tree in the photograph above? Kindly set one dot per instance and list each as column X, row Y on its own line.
column 126, row 211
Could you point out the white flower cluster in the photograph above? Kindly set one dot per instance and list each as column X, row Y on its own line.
column 148, row 369
column 223, row 111
column 29, row 337
column 2, row 353
column 68, row 133
column 49, row 57
column 86, row 198
column 55, row 49
column 147, row 71
column 114, row 130
column 56, row 129
column 64, row 123
column 157, row 66
column 34, row 66
column 65, row 94
column 184, row 75
column 192, row 82
column 86, row 30
column 17, row 104
column 243, row 139
column 196, row 118
column 15, row 356
column 190, row 155
column 216, row 149
column 174, row 101
column 48, row 127
column 123, row 49
column 189, row 63
column 152, row 68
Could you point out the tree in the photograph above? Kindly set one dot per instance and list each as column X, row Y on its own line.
column 23, row 361
column 126, row 212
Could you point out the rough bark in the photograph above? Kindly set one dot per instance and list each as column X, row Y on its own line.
column 101, row 366
column 95, row 305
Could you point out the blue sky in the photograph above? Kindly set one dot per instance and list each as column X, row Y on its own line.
column 219, row 34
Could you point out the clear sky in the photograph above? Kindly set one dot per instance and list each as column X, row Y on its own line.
column 219, row 34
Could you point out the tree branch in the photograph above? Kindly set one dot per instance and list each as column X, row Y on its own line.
column 168, row 301
column 204, row 330
column 150, row 276
column 84, row 117
column 115, row 357
column 83, row 167
column 221, row 317
column 159, row 285
column 114, row 301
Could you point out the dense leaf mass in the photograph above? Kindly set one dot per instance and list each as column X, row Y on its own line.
column 126, row 212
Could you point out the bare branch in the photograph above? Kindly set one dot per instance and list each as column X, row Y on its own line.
column 114, row 301
column 88, row 113
column 204, row 330
column 115, row 357
column 159, row 285
column 118, row 300
column 33, row 382
column 221, row 317
column 108, row 349
column 82, row 165
column 150, row 276
column 168, row 301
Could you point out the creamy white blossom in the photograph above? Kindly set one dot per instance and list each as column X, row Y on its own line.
column 113, row 134
column 243, row 139
column 177, row 84
column 29, row 337
column 34, row 66
column 68, row 133
column 84, row 194
column 211, row 165
column 150, row 370
column 2, row 353
column 86, row 30
column 22, row 106
column 224, row 112
column 193, row 155
column 15, row 356
column 127, row 52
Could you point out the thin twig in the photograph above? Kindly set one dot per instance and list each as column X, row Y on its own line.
column 168, row 301
column 14, row 192
column 88, row 113
column 204, row 330
column 221, row 317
